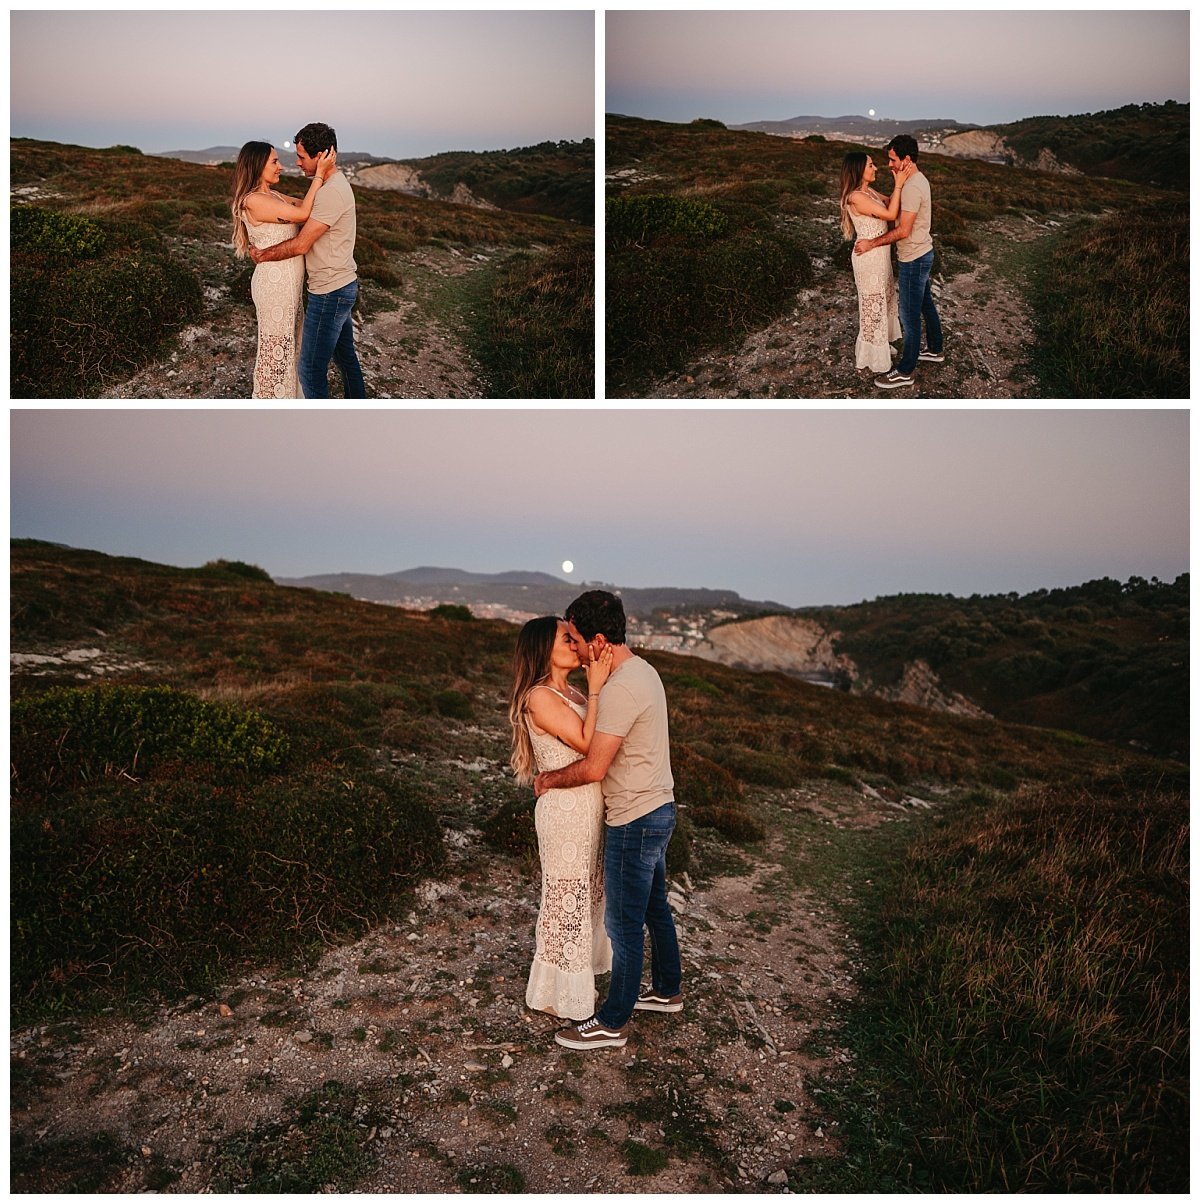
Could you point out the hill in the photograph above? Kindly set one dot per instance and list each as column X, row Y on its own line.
column 124, row 283
column 532, row 593
column 1147, row 143
column 273, row 896
column 728, row 274
column 1106, row 659
column 877, row 130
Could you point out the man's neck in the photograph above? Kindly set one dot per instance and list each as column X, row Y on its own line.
column 621, row 654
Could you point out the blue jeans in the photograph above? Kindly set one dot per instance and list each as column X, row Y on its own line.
column 916, row 302
column 635, row 889
column 329, row 334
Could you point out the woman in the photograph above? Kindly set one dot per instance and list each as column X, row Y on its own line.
column 866, row 214
column 552, row 725
column 263, row 217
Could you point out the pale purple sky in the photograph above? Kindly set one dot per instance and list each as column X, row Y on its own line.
column 801, row 507
column 973, row 67
column 399, row 84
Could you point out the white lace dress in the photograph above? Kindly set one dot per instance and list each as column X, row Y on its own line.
column 878, row 312
column 278, row 290
column 572, row 946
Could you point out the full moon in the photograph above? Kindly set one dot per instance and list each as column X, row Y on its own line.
column 568, row 566
column 870, row 112
column 287, row 145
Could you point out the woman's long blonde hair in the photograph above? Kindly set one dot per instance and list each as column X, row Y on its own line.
column 247, row 172
column 853, row 166
column 531, row 664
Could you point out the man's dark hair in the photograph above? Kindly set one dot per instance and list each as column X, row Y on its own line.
column 317, row 137
column 905, row 146
column 598, row 613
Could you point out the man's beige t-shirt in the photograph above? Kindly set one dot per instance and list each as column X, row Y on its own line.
column 915, row 198
column 330, row 262
column 633, row 705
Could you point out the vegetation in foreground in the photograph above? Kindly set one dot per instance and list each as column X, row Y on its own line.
column 1089, row 347
column 1021, row 1022
column 90, row 309
column 784, row 191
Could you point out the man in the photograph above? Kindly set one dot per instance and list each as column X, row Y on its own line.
column 630, row 756
column 914, row 250
column 326, row 241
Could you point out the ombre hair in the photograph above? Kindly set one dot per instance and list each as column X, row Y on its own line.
column 853, row 166
column 247, row 175
column 531, row 664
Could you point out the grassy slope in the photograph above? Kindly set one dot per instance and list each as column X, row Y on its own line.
column 1062, row 1070
column 790, row 183
column 189, row 205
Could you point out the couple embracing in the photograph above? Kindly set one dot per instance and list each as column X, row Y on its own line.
column 600, row 765
column 285, row 236
column 875, row 222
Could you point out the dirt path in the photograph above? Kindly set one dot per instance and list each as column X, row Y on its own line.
column 410, row 345
column 809, row 351
column 447, row 1082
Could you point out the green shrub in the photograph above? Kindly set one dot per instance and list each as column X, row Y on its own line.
column 451, row 610
column 127, row 887
column 78, row 322
column 644, row 216
column 68, row 736
column 239, row 568
column 676, row 296
column 35, row 229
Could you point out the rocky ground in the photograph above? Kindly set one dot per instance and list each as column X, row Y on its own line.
column 808, row 352
column 407, row 1060
column 411, row 343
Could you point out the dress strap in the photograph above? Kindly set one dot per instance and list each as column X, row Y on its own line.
column 552, row 690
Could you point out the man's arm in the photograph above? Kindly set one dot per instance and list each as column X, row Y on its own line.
column 903, row 229
column 591, row 768
column 300, row 245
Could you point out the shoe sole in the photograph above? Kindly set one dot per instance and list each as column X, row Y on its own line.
column 595, row 1043
column 932, row 359
column 899, row 384
column 657, row 1007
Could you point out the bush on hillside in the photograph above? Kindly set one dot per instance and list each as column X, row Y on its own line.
column 692, row 281
column 125, row 887
column 90, row 301
column 67, row 736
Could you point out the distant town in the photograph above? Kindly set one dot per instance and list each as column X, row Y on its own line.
column 661, row 631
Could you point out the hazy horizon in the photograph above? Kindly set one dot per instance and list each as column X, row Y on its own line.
column 400, row 85
column 800, row 507
column 980, row 68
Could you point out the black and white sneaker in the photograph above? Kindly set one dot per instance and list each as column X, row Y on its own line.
column 893, row 380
